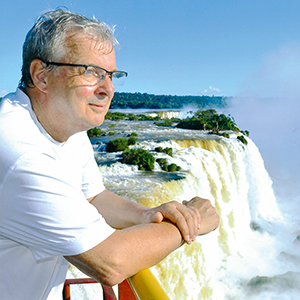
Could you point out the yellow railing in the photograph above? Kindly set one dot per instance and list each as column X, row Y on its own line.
column 146, row 286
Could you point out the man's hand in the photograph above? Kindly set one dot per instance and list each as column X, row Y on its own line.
column 209, row 217
column 194, row 217
column 121, row 213
column 186, row 218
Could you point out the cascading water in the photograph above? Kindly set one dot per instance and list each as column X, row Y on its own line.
column 245, row 257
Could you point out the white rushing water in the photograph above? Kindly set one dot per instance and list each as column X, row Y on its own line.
column 254, row 254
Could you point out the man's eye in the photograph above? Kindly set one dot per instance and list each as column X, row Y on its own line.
column 91, row 71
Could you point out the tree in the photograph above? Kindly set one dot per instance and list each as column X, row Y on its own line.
column 138, row 100
column 94, row 132
column 209, row 120
column 242, row 139
column 140, row 157
column 119, row 144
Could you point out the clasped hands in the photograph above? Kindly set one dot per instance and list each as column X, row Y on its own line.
column 193, row 218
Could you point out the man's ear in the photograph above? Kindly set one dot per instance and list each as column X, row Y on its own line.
column 38, row 75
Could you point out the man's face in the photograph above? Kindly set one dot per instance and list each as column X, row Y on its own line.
column 77, row 103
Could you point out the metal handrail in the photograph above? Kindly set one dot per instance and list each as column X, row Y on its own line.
column 142, row 286
column 124, row 289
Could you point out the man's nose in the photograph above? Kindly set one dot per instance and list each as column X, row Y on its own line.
column 106, row 85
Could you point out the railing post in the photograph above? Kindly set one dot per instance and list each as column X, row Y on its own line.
column 108, row 293
column 125, row 291
column 66, row 292
column 142, row 286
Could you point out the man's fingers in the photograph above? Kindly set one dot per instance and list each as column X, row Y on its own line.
column 186, row 219
column 157, row 217
column 209, row 217
column 194, row 217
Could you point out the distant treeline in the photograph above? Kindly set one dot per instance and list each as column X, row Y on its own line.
column 139, row 100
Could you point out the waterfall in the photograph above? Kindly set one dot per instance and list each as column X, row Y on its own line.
column 245, row 257
column 233, row 177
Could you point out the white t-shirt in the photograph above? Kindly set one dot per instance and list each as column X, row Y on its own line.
column 44, row 214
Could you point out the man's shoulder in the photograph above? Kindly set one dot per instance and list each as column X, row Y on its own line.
column 19, row 134
column 16, row 122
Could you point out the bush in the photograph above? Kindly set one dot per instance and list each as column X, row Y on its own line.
column 166, row 123
column 158, row 149
column 166, row 150
column 246, row 132
column 133, row 134
column 139, row 157
column 242, row 139
column 115, row 116
column 116, row 145
column 132, row 140
column 209, row 120
column 94, row 132
column 162, row 163
column 173, row 168
column 225, row 134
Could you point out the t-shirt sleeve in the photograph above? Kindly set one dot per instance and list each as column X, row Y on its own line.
column 46, row 209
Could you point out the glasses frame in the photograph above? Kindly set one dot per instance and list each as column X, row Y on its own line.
column 111, row 74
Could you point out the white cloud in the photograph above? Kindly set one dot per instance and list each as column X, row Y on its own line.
column 211, row 91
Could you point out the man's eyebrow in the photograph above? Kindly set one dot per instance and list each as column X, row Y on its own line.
column 114, row 70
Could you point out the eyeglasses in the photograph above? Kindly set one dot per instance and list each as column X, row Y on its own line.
column 95, row 75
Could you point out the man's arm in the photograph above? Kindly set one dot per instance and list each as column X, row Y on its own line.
column 121, row 213
column 130, row 250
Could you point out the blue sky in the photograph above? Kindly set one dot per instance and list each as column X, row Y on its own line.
column 195, row 47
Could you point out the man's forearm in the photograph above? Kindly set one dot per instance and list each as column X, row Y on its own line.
column 118, row 212
column 129, row 251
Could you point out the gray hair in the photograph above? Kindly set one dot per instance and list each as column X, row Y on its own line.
column 46, row 39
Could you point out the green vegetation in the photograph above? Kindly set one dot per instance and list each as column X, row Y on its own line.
column 164, row 165
column 139, row 157
column 117, row 116
column 120, row 144
column 132, row 140
column 209, row 120
column 242, row 139
column 166, row 123
column 166, row 150
column 133, row 134
column 246, row 132
column 145, row 160
column 139, row 100
column 225, row 134
column 163, row 162
column 94, row 132
column 116, row 145
column 173, row 168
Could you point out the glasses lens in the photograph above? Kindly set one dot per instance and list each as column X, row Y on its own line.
column 94, row 75
column 97, row 75
column 118, row 78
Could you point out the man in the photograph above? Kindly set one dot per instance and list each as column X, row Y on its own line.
column 54, row 208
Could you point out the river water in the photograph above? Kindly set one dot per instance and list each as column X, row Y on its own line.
column 254, row 254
